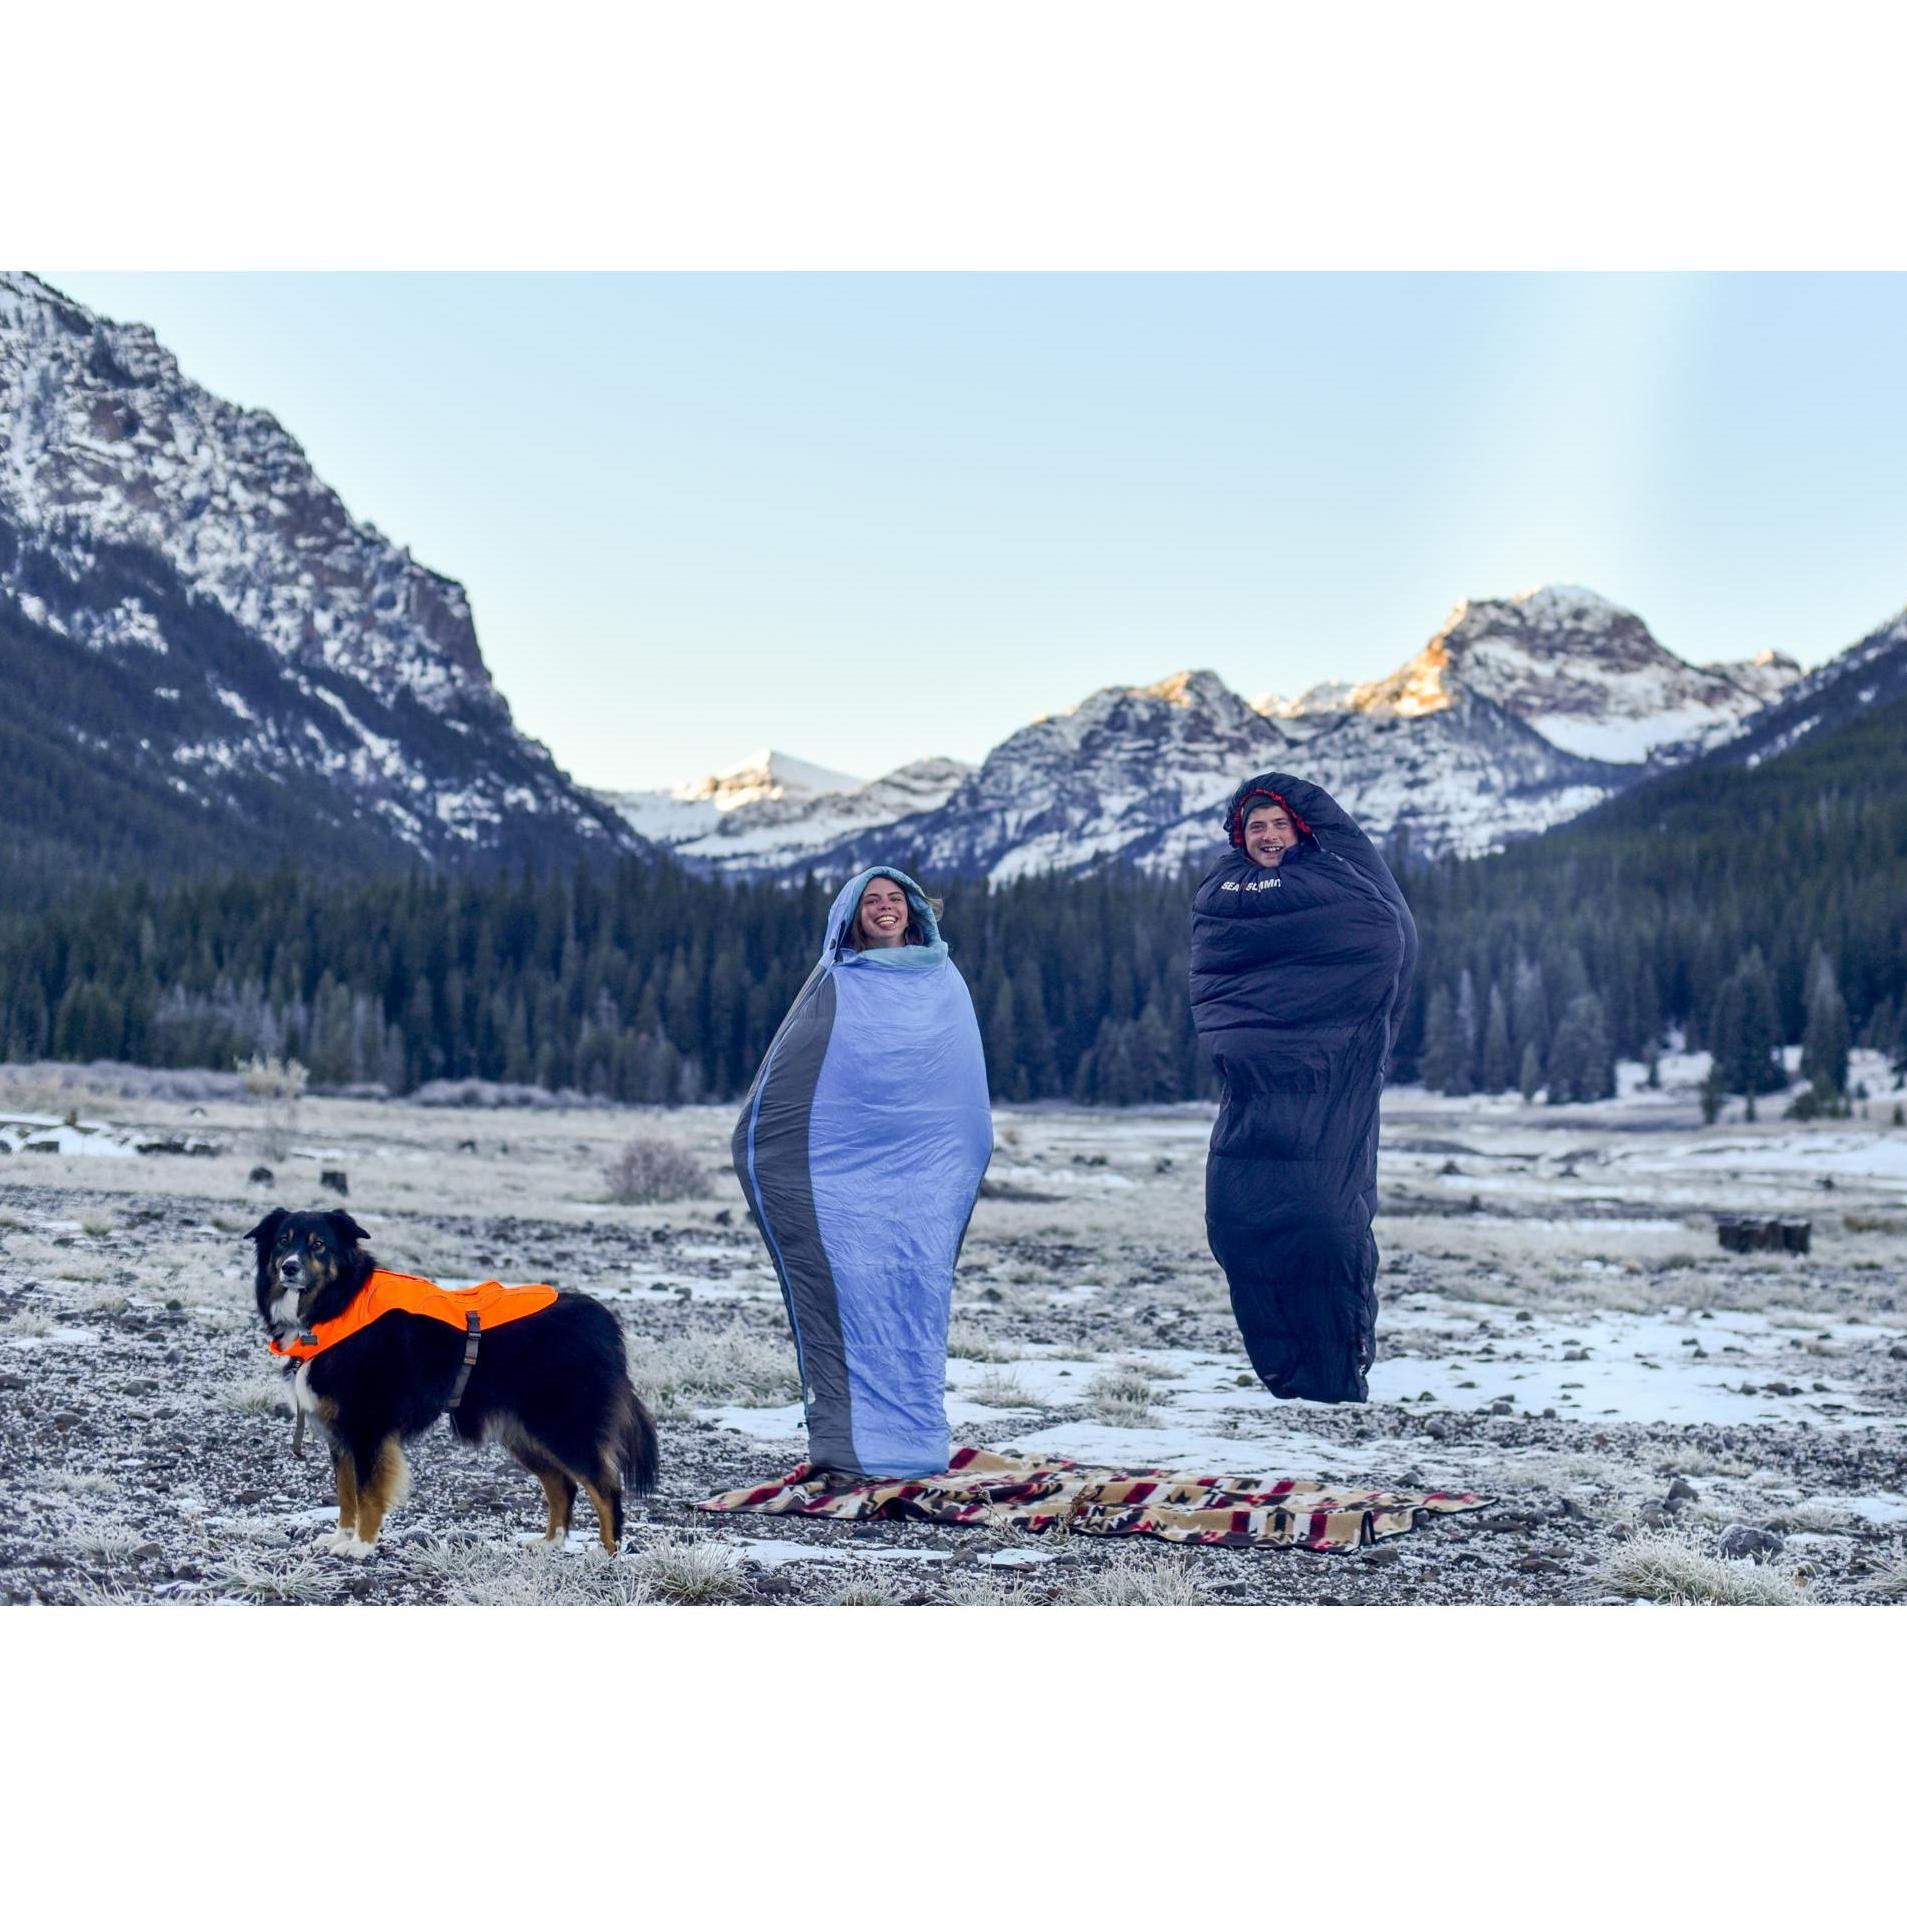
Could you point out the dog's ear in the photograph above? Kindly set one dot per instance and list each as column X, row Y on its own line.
column 265, row 1234
column 267, row 1227
column 346, row 1226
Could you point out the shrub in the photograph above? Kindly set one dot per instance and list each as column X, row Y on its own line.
column 650, row 1169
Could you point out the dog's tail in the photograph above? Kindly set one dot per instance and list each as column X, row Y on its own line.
column 639, row 1455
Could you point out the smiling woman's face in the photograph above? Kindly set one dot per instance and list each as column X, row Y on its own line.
column 883, row 914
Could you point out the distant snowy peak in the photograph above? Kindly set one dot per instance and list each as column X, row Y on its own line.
column 1870, row 674
column 1583, row 672
column 768, row 776
column 1767, row 674
column 775, row 811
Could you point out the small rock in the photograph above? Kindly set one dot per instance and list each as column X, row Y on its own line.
column 334, row 1180
column 146, row 1552
column 67, row 1419
column 1898, row 1352
column 1683, row 1491
column 1525, row 1317
column 262, row 1175
column 1742, row 1539
column 139, row 1386
column 1500, row 1409
column 1536, row 1565
column 1244, row 1380
column 10, row 1382
column 1380, row 1556
column 1576, row 1357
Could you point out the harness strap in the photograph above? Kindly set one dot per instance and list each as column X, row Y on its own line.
column 473, row 1333
column 298, row 1428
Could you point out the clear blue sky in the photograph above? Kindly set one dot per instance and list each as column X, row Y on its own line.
column 868, row 518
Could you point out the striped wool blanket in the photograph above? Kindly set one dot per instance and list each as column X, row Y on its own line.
column 1036, row 1494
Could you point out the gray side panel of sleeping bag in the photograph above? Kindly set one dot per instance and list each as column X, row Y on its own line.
column 770, row 1152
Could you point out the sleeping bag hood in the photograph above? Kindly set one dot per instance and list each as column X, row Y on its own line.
column 1300, row 974
column 860, row 1149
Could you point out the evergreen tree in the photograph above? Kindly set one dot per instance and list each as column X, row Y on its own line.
column 1529, row 1079
column 1825, row 1044
column 1444, row 1064
column 1495, row 1076
column 1582, row 1061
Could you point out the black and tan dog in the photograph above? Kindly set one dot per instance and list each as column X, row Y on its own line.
column 379, row 1356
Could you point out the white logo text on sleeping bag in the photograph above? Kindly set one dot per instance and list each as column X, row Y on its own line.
column 1253, row 887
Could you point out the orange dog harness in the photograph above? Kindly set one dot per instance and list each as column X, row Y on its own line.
column 473, row 1309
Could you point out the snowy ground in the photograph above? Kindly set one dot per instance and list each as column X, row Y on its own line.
column 1559, row 1329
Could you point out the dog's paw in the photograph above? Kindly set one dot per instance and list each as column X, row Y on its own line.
column 349, row 1546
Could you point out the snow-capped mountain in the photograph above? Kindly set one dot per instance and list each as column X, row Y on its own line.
column 1585, row 674
column 217, row 651
column 774, row 811
column 1517, row 715
column 1867, row 675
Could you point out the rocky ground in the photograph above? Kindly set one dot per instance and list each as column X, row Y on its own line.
column 1651, row 1416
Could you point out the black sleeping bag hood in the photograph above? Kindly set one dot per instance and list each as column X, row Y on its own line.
column 1299, row 978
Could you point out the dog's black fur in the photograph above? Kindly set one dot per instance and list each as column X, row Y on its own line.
column 553, row 1388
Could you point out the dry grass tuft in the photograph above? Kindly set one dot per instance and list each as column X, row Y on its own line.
column 29, row 1324
column 1122, row 1399
column 984, row 1589
column 258, row 1397
column 1671, row 1569
column 862, row 1588
column 701, row 1366
column 68, row 1483
column 1004, row 1390
column 692, row 1572
column 1817, row 1516
column 296, row 1579
column 976, row 1346
column 525, row 1576
column 1141, row 1581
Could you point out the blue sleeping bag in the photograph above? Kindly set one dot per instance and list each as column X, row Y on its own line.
column 1299, row 978
column 860, row 1148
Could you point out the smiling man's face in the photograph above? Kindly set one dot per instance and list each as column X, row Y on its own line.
column 1269, row 834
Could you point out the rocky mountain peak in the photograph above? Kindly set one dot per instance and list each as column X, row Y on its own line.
column 212, row 659
column 106, row 440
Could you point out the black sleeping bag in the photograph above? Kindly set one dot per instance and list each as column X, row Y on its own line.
column 1299, row 977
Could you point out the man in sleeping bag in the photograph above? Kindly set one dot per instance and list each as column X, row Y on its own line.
column 860, row 1148
column 1302, row 952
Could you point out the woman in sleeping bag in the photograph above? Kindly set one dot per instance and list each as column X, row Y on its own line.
column 1302, row 951
column 860, row 1148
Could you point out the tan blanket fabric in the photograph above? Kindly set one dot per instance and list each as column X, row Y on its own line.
column 1023, row 1493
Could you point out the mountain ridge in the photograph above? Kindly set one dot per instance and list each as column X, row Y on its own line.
column 281, row 677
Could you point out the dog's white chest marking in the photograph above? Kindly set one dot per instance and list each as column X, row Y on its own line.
column 284, row 1309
